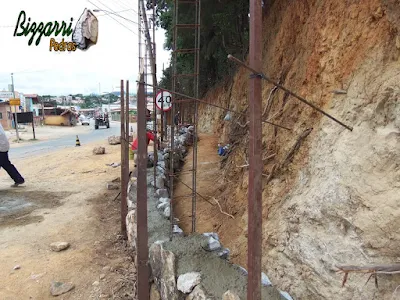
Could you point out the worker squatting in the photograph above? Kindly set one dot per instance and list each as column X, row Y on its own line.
column 40, row 29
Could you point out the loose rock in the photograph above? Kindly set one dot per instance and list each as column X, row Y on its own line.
column 197, row 294
column 162, row 193
column 59, row 288
column 114, row 140
column 99, row 150
column 112, row 186
column 213, row 244
column 96, row 283
column 59, row 246
column 186, row 282
column 162, row 205
column 265, row 280
column 286, row 295
column 229, row 295
column 17, row 267
column 224, row 254
column 102, row 276
column 154, row 293
column 167, row 212
column 177, row 230
column 212, row 234
column 162, row 264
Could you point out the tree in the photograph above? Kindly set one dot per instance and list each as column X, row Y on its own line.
column 224, row 30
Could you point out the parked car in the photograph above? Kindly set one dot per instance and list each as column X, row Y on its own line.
column 84, row 120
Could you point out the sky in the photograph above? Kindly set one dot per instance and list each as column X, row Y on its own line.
column 99, row 69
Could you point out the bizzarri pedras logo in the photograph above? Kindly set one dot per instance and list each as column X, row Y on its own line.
column 82, row 37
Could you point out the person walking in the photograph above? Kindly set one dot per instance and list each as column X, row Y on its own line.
column 4, row 160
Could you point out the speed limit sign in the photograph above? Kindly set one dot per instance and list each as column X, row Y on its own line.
column 164, row 101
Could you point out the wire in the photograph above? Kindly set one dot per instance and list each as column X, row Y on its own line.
column 114, row 19
column 113, row 12
column 118, row 12
column 120, row 3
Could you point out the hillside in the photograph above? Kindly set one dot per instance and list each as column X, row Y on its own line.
column 336, row 201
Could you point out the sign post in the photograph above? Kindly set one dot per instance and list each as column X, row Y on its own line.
column 17, row 102
column 164, row 101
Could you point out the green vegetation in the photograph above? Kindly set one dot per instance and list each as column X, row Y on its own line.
column 224, row 30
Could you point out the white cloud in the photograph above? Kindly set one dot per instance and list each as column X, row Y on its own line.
column 37, row 70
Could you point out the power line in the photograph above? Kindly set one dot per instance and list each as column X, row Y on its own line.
column 121, row 4
column 118, row 12
column 113, row 12
column 114, row 19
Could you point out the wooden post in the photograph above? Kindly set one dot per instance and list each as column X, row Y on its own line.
column 33, row 128
column 143, row 290
column 124, row 179
column 254, row 239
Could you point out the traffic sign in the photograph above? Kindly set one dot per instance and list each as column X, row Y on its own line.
column 16, row 102
column 164, row 101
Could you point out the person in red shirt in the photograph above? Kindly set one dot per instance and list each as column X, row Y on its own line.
column 150, row 137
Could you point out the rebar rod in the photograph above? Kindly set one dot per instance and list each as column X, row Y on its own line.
column 217, row 106
column 263, row 76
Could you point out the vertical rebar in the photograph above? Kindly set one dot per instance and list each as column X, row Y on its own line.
column 196, row 92
column 143, row 290
column 124, row 181
column 140, row 38
column 127, row 129
column 172, row 173
column 254, row 240
column 154, row 71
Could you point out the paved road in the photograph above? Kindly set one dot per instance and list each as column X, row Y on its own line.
column 66, row 141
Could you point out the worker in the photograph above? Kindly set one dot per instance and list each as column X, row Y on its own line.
column 177, row 118
column 4, row 160
column 150, row 137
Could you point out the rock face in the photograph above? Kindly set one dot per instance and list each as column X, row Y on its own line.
column 59, row 288
column 337, row 202
column 59, row 246
column 229, row 295
column 99, row 150
column 114, row 140
column 186, row 282
column 162, row 264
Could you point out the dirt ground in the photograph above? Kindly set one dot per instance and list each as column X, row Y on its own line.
column 64, row 199
column 209, row 183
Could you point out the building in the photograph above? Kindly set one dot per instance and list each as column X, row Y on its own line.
column 6, row 113
column 32, row 103
column 60, row 117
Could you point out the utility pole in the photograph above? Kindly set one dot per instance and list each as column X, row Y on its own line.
column 16, row 118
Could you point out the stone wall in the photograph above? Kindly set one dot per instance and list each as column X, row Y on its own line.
column 187, row 267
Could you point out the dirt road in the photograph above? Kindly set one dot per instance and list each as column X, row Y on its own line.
column 64, row 199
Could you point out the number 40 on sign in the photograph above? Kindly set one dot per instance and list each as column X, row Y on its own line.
column 164, row 101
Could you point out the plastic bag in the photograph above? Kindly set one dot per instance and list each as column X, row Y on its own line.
column 86, row 30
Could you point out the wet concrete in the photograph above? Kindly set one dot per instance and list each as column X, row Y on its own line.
column 218, row 275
